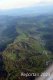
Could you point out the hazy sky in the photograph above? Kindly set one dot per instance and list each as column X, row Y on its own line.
column 7, row 4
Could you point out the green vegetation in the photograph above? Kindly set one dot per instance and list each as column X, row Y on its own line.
column 27, row 45
column 22, row 37
column 24, row 55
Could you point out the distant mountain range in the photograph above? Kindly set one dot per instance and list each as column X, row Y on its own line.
column 34, row 10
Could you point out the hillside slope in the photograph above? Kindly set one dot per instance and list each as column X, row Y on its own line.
column 25, row 54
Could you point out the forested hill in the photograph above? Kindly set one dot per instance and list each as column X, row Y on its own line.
column 26, row 45
column 24, row 55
